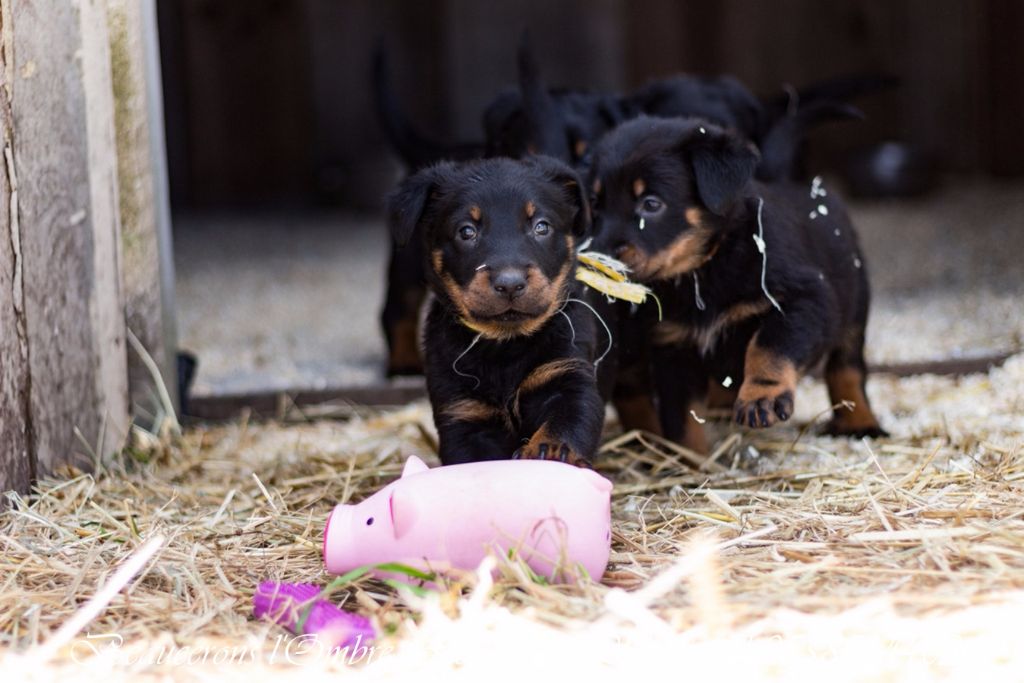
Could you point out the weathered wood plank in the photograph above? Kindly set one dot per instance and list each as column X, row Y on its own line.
column 16, row 456
column 63, row 153
column 269, row 404
column 147, row 297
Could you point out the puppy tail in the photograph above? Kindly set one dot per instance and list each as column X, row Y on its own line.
column 786, row 120
column 414, row 148
column 782, row 146
column 843, row 89
column 544, row 124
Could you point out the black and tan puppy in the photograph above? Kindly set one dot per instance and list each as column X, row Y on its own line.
column 759, row 281
column 509, row 351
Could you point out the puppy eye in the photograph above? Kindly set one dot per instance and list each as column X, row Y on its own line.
column 541, row 228
column 468, row 231
column 651, row 204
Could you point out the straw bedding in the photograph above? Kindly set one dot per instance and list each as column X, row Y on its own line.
column 782, row 555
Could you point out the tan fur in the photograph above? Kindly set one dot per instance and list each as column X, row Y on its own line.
column 766, row 376
column 547, row 372
column 531, row 450
column 475, row 213
column 405, row 348
column 845, row 384
column 694, row 437
column 478, row 297
column 638, row 187
column 637, row 412
column 708, row 336
column 667, row 333
column 580, row 148
column 719, row 397
column 470, row 410
column 688, row 252
column 544, row 374
column 531, row 209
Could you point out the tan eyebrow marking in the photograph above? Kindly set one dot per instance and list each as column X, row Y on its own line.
column 475, row 213
column 638, row 187
column 531, row 209
column 597, row 186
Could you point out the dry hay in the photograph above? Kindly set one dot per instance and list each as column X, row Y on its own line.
column 783, row 555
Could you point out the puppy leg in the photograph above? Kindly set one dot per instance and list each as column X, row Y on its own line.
column 782, row 345
column 561, row 411
column 400, row 317
column 634, row 400
column 633, row 391
column 719, row 397
column 769, row 387
column 846, row 376
column 470, row 431
column 637, row 411
column 680, row 382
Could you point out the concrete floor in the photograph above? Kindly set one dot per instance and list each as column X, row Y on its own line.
column 291, row 301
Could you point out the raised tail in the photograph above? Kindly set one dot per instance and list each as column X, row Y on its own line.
column 788, row 118
column 782, row 145
column 414, row 148
column 545, row 127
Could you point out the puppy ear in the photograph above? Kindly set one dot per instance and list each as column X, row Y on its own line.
column 408, row 204
column 722, row 163
column 572, row 186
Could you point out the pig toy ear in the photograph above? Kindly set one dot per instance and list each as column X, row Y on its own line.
column 414, row 466
column 403, row 513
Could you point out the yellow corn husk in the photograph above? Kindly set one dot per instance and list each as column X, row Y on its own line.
column 616, row 270
column 617, row 289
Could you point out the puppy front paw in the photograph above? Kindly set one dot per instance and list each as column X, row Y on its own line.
column 544, row 447
column 769, row 384
column 763, row 406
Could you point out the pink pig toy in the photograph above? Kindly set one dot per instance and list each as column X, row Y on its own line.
column 557, row 517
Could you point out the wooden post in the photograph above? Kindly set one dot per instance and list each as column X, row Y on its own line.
column 17, row 467
column 60, row 266
column 144, row 212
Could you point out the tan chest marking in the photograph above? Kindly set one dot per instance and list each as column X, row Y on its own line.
column 668, row 333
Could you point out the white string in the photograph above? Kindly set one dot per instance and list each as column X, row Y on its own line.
column 759, row 241
column 455, row 362
column 607, row 329
column 696, row 293
column 569, row 320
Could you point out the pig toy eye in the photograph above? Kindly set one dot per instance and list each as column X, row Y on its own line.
column 369, row 521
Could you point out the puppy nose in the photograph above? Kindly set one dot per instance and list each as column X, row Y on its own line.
column 510, row 282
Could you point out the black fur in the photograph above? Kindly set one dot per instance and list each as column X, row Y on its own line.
column 567, row 123
column 535, row 119
column 700, row 203
column 509, row 362
column 406, row 288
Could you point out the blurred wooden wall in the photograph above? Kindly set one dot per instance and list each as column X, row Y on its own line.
column 268, row 101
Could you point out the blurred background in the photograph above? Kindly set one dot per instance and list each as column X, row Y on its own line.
column 278, row 166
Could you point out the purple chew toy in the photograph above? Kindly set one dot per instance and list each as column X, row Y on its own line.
column 294, row 606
